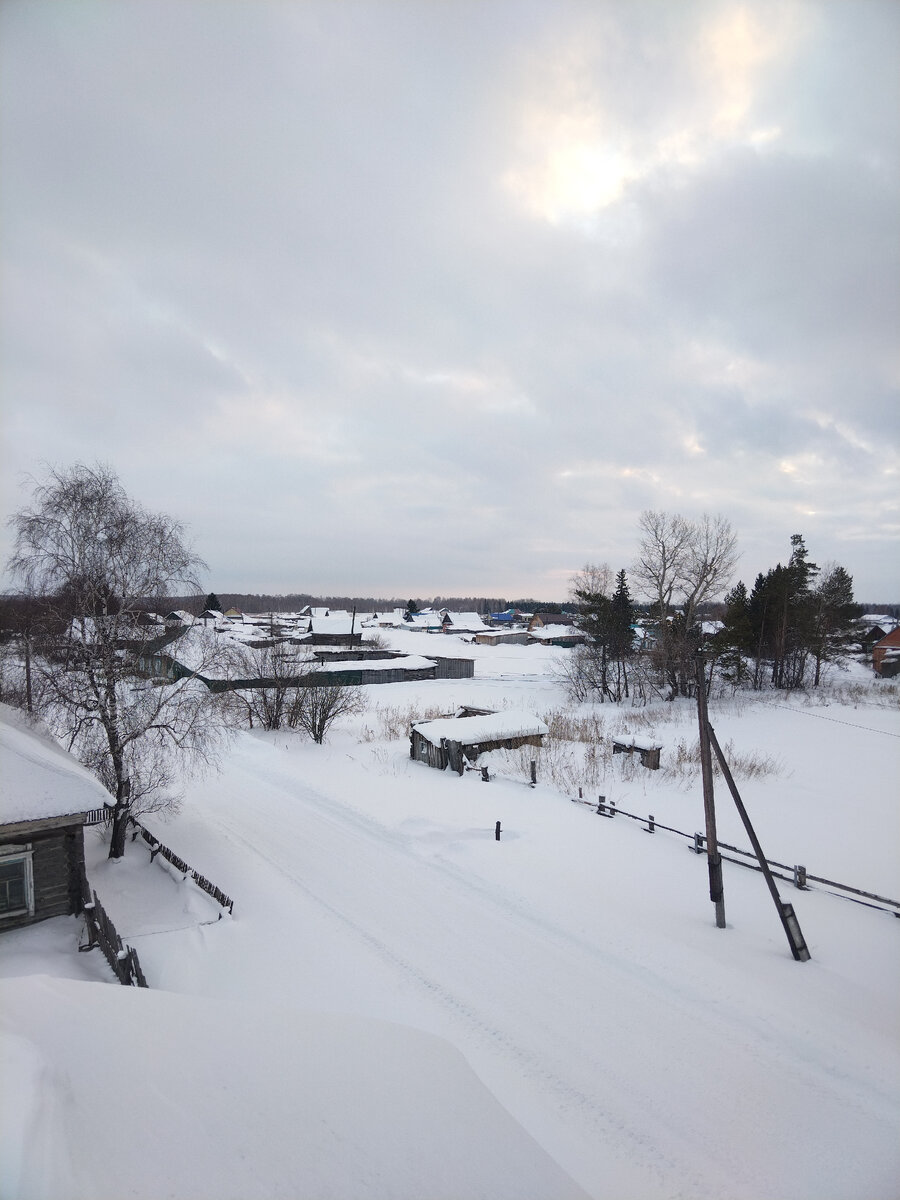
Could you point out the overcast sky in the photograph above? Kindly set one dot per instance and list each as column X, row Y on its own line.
column 416, row 297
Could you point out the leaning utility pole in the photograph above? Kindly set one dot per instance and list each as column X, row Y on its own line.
column 785, row 911
column 709, row 740
column 713, row 857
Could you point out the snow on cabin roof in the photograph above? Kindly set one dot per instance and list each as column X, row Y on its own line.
column 342, row 624
column 425, row 620
column 197, row 649
column 494, row 727
column 547, row 633
column 39, row 779
column 412, row 662
column 466, row 622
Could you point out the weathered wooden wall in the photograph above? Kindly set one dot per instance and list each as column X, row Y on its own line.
column 57, row 863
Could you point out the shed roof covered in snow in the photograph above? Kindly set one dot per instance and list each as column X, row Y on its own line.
column 492, row 727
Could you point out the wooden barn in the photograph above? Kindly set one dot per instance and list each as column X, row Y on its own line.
column 46, row 797
column 454, row 741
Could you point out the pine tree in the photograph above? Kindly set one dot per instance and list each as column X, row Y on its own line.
column 735, row 640
column 622, row 632
column 213, row 603
column 833, row 615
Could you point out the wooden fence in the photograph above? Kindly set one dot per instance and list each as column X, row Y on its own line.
column 798, row 875
column 156, row 847
column 101, row 932
column 99, row 816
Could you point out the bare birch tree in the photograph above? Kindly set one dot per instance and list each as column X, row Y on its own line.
column 680, row 565
column 88, row 555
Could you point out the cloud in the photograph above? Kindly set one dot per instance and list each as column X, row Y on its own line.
column 439, row 297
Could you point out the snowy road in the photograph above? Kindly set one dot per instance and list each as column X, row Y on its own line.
column 640, row 1079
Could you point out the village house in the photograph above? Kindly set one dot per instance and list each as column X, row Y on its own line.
column 453, row 741
column 46, row 798
column 886, row 655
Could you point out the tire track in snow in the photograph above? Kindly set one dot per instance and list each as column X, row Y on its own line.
column 598, row 1095
column 549, row 1040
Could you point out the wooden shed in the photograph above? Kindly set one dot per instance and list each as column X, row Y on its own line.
column 46, row 797
column 453, row 741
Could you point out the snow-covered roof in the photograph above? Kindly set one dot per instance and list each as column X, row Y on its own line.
column 424, row 620
column 39, row 779
column 342, row 624
column 352, row 1113
column 546, row 633
column 182, row 616
column 493, row 727
column 466, row 622
column 412, row 662
column 197, row 649
column 639, row 743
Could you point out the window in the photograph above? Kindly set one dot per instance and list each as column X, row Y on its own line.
column 16, row 884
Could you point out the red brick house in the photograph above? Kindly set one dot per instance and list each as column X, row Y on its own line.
column 886, row 654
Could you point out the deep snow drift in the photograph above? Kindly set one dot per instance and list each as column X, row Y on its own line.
column 575, row 964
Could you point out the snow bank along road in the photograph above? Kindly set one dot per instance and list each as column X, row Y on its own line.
column 649, row 1053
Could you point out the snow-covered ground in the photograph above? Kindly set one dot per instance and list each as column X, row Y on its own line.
column 403, row 1006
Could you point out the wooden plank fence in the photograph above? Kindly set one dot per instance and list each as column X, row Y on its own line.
column 101, row 932
column 99, row 816
column 156, row 847
column 798, row 875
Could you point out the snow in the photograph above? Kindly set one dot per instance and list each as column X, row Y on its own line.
column 411, row 662
column 638, row 743
column 38, row 780
column 251, row 1103
column 490, row 728
column 465, row 622
column 403, row 1006
column 341, row 625
column 544, row 633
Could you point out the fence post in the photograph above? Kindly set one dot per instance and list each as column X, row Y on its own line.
column 484, row 775
column 612, row 809
column 533, row 772
column 651, row 825
column 601, row 811
column 698, row 843
column 800, row 878
column 497, row 832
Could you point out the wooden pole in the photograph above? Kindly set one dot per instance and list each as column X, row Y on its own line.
column 497, row 832
column 713, row 857
column 785, row 911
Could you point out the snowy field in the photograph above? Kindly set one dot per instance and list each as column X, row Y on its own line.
column 401, row 1006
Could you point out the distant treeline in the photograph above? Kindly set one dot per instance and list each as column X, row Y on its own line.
column 15, row 610
column 257, row 602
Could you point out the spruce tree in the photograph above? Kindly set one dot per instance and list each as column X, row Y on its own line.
column 833, row 615
column 735, row 640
